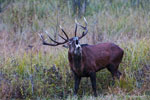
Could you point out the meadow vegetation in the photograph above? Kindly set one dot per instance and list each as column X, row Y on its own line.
column 29, row 70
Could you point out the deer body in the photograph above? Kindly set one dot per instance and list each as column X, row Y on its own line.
column 94, row 58
column 85, row 60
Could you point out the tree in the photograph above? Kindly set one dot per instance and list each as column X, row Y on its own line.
column 79, row 7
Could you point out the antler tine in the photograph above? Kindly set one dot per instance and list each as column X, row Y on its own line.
column 85, row 28
column 54, row 40
column 76, row 27
column 85, row 21
column 42, row 38
column 64, row 32
column 44, row 42
column 50, row 37
column 40, row 35
column 62, row 37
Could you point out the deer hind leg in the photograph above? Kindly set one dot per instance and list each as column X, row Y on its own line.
column 118, row 74
column 114, row 71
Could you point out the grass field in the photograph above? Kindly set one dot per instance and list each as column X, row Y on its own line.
column 29, row 70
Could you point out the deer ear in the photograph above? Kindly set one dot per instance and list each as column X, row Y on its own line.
column 65, row 46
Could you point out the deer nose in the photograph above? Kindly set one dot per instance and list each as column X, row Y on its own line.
column 78, row 48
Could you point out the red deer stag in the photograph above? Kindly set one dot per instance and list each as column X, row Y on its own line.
column 85, row 60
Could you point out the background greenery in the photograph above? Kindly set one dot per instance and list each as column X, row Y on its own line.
column 29, row 70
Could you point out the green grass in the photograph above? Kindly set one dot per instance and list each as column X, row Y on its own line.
column 111, row 97
column 45, row 75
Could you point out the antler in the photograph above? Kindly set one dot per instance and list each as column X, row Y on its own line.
column 64, row 32
column 67, row 38
column 84, row 27
column 76, row 28
column 55, row 42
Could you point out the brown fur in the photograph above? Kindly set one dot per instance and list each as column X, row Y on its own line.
column 96, row 57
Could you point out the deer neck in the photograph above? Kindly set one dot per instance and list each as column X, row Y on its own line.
column 77, row 60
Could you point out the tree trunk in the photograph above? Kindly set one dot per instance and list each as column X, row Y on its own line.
column 79, row 7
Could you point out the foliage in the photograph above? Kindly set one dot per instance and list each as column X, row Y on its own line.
column 29, row 70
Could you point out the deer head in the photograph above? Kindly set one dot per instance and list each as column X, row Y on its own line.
column 72, row 43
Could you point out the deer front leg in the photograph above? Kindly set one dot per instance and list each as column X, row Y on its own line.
column 93, row 81
column 76, row 84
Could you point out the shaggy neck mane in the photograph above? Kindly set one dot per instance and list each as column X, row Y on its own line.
column 77, row 61
column 77, row 58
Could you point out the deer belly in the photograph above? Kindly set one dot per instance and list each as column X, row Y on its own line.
column 101, row 64
column 81, row 72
